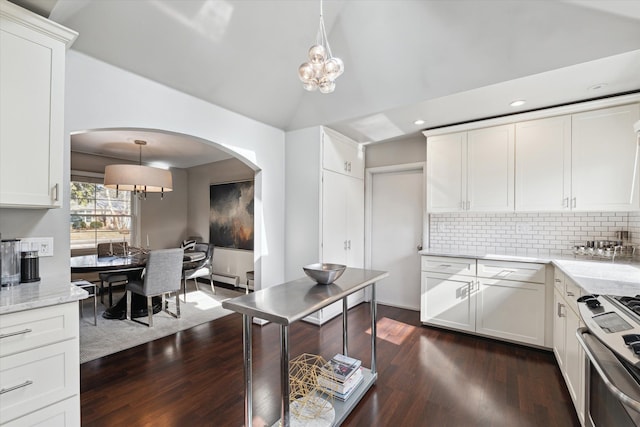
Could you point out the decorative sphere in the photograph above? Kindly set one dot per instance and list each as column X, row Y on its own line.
column 306, row 72
column 310, row 85
column 326, row 85
column 333, row 68
column 317, row 54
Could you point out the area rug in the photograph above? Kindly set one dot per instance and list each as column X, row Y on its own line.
column 111, row 336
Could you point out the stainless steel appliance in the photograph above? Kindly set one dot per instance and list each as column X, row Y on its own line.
column 611, row 341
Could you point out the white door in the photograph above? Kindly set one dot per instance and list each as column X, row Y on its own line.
column 334, row 218
column 396, row 231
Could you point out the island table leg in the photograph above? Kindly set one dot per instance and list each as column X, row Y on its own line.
column 248, row 376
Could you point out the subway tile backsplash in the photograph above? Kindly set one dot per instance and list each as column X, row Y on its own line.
column 542, row 233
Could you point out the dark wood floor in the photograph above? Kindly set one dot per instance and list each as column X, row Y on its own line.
column 427, row 377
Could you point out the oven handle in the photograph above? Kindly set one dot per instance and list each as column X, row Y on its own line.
column 622, row 396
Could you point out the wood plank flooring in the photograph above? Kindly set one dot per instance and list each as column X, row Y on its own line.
column 427, row 377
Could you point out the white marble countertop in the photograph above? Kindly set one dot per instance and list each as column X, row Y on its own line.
column 603, row 277
column 27, row 296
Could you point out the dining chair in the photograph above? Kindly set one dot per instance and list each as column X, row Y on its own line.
column 161, row 276
column 111, row 278
column 202, row 268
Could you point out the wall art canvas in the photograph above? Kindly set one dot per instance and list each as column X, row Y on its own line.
column 231, row 215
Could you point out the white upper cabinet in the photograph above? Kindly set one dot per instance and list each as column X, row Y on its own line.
column 446, row 172
column 31, row 108
column 490, row 169
column 471, row 171
column 604, row 159
column 342, row 155
column 543, row 164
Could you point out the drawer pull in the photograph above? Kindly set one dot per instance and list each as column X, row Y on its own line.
column 15, row 387
column 11, row 334
column 445, row 265
column 558, row 280
column 570, row 294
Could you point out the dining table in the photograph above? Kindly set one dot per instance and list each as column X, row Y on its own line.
column 132, row 265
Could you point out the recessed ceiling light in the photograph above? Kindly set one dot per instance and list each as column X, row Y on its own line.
column 419, row 122
column 598, row 86
column 518, row 102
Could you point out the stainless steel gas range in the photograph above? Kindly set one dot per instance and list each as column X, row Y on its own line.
column 611, row 341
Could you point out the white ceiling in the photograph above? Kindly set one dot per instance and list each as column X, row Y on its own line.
column 441, row 61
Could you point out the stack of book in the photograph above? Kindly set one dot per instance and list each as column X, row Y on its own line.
column 340, row 376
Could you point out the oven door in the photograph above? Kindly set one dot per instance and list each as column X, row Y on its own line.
column 612, row 395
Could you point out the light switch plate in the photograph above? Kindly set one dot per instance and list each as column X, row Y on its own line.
column 44, row 245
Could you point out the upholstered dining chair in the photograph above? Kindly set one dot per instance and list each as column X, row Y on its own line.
column 118, row 277
column 161, row 276
column 202, row 268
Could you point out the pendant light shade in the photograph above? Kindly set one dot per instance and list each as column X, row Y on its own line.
column 138, row 178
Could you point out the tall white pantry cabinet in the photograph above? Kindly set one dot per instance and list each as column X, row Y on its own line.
column 324, row 205
column 32, row 53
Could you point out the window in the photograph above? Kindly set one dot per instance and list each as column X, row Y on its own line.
column 98, row 215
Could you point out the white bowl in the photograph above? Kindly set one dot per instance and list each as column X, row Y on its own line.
column 324, row 274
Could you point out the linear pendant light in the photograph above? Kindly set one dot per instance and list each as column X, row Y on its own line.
column 138, row 178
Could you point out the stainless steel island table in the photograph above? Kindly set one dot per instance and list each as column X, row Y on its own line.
column 292, row 301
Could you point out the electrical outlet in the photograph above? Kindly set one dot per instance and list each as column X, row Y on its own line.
column 44, row 245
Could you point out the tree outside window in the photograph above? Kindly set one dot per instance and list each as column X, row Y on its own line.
column 99, row 215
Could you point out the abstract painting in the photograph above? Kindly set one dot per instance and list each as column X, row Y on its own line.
column 231, row 215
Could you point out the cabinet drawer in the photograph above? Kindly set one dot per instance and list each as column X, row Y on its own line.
column 25, row 330
column 558, row 280
column 449, row 265
column 571, row 294
column 515, row 271
column 61, row 414
column 37, row 378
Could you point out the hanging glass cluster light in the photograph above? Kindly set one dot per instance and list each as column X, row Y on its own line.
column 320, row 72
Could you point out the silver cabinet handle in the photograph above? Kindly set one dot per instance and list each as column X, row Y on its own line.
column 12, row 334
column 345, row 245
column 345, row 166
column 349, row 244
column 349, row 167
column 15, row 387
column 560, row 310
column 573, row 202
column 56, row 196
column 570, row 294
column 558, row 280
column 565, row 202
column 444, row 265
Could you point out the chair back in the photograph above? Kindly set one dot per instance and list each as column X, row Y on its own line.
column 163, row 271
column 207, row 248
column 109, row 249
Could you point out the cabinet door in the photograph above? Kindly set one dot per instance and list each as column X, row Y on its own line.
column 559, row 325
column 574, row 362
column 342, row 155
column 334, row 218
column 490, row 170
column 354, row 193
column 446, row 172
column 448, row 301
column 511, row 310
column 31, row 113
column 543, row 164
column 604, row 157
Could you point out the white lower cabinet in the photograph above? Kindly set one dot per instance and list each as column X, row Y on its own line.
column 40, row 367
column 448, row 300
column 566, row 347
column 476, row 296
column 511, row 310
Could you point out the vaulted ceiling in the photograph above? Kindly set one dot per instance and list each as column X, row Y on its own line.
column 440, row 61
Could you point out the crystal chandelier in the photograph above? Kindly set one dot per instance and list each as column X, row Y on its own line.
column 322, row 68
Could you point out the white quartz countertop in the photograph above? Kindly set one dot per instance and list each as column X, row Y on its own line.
column 620, row 278
column 27, row 296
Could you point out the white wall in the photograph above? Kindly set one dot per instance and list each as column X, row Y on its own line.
column 406, row 150
column 302, row 190
column 99, row 95
column 229, row 261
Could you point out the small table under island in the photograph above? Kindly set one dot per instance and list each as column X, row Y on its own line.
column 292, row 301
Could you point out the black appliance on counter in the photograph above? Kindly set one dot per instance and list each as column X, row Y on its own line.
column 29, row 267
column 611, row 341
